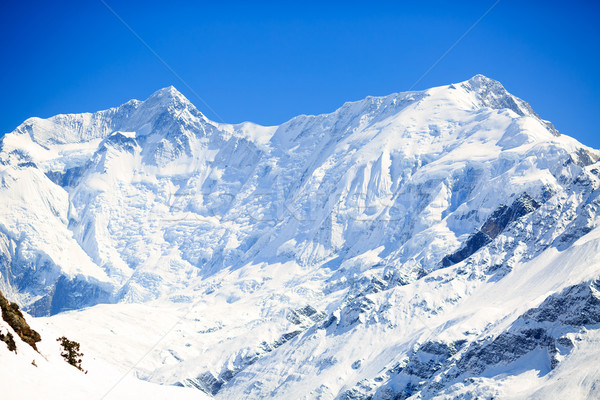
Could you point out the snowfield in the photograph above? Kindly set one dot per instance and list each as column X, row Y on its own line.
column 436, row 244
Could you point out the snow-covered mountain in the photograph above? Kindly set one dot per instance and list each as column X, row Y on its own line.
column 434, row 244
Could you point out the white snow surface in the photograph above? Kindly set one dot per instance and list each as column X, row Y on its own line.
column 304, row 260
column 44, row 374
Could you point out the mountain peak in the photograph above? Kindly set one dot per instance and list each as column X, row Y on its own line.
column 491, row 93
column 482, row 80
column 485, row 86
column 168, row 93
column 343, row 228
column 170, row 99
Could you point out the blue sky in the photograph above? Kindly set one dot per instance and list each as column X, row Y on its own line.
column 269, row 61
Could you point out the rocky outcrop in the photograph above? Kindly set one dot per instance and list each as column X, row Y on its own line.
column 544, row 327
column 494, row 225
column 302, row 318
column 14, row 317
column 9, row 340
column 435, row 365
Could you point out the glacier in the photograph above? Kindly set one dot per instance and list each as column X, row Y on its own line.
column 418, row 245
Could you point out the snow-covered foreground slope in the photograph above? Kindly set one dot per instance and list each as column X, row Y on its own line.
column 44, row 374
column 399, row 246
column 361, row 344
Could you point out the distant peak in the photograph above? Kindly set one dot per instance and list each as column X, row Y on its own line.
column 492, row 94
column 168, row 91
column 481, row 77
column 169, row 97
column 480, row 81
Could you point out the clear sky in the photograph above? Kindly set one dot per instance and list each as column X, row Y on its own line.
column 269, row 61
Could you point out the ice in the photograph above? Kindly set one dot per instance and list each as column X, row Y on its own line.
column 150, row 233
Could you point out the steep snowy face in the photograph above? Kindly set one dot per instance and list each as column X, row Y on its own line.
column 396, row 171
column 131, row 202
column 302, row 260
column 39, row 370
column 92, row 193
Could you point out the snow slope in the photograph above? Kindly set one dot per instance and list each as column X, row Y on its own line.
column 372, row 251
column 30, row 374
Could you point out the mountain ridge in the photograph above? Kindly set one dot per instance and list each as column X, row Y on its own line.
column 488, row 90
column 284, row 246
column 167, row 134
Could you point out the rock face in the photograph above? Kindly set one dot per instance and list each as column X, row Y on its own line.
column 14, row 318
column 548, row 330
column 492, row 227
column 391, row 248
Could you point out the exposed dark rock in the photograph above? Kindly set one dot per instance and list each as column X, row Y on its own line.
column 430, row 358
column 9, row 339
column 355, row 394
column 15, row 319
column 494, row 225
column 435, row 365
column 351, row 313
column 576, row 306
column 473, row 243
column 506, row 348
column 304, row 317
column 329, row 321
column 300, row 315
column 286, row 337
column 583, row 158
column 205, row 382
